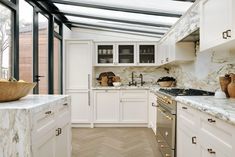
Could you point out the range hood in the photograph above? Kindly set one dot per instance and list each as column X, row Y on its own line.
column 192, row 37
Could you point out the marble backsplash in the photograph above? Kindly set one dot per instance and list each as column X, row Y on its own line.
column 203, row 73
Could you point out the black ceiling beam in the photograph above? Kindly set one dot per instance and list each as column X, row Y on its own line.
column 9, row 4
column 115, row 30
column 97, row 6
column 48, row 7
column 118, row 28
column 115, row 20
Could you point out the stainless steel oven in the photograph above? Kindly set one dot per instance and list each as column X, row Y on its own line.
column 166, row 126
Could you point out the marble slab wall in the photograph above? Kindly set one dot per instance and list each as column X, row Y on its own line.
column 203, row 73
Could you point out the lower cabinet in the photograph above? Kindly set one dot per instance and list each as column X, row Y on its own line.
column 201, row 135
column 153, row 112
column 106, row 106
column 52, row 138
column 120, row 106
column 134, row 110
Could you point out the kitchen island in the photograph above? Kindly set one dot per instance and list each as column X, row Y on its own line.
column 36, row 126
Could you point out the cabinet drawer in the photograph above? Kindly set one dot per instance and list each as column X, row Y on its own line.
column 63, row 107
column 44, row 120
column 216, row 134
column 134, row 94
column 187, row 115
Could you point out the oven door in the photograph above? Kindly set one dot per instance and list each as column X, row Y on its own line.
column 166, row 126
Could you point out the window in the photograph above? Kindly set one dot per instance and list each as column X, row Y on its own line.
column 57, row 66
column 26, row 41
column 43, row 53
column 5, row 42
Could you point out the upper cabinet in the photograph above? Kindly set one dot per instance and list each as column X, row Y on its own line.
column 126, row 54
column 146, row 54
column 105, row 54
column 217, row 22
column 170, row 51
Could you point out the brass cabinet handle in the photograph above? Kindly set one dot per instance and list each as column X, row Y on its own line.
column 210, row 120
column 211, row 151
column 167, row 59
column 194, row 140
column 167, row 155
column 57, row 132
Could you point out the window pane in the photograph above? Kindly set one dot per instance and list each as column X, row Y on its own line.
column 26, row 41
column 56, row 28
column 57, row 65
column 5, row 42
column 43, row 53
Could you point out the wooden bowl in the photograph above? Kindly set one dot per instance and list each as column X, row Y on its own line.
column 166, row 83
column 11, row 91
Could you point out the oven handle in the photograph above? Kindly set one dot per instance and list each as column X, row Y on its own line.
column 164, row 113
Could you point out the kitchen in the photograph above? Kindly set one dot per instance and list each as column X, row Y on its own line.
column 152, row 78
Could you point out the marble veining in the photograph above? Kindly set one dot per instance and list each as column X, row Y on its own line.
column 15, row 123
column 223, row 109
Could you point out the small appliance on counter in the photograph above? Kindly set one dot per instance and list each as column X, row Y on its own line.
column 108, row 78
column 166, row 81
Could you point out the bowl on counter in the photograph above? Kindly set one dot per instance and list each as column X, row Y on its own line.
column 166, row 83
column 11, row 91
column 117, row 84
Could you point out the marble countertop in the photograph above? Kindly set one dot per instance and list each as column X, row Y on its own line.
column 223, row 109
column 32, row 101
column 121, row 87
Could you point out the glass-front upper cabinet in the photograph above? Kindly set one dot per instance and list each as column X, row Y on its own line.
column 146, row 53
column 105, row 53
column 126, row 53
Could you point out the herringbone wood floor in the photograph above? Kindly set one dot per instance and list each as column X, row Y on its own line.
column 114, row 142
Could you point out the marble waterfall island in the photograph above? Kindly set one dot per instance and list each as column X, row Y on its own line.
column 29, row 126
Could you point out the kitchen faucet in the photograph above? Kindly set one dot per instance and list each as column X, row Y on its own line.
column 133, row 82
column 142, row 82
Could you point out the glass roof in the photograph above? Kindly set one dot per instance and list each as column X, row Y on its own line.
column 148, row 16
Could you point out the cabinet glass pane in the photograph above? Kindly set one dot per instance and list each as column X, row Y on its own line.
column 147, row 54
column 126, row 53
column 105, row 54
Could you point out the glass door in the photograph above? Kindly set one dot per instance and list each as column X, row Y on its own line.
column 126, row 53
column 105, row 54
column 146, row 54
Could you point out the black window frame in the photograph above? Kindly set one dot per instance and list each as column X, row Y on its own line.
column 13, row 5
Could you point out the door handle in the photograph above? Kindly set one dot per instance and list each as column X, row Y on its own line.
column 89, row 98
column 210, row 120
column 89, row 79
column 57, row 132
column 37, row 78
column 185, row 108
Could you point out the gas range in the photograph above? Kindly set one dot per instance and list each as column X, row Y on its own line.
column 166, row 116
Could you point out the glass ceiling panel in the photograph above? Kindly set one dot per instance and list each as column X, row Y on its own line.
column 157, row 37
column 169, row 6
column 117, row 14
column 116, row 24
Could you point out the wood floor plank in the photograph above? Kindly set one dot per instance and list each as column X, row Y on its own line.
column 114, row 142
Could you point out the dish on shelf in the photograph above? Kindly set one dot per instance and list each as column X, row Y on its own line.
column 125, row 60
column 102, row 60
column 126, row 51
column 110, row 60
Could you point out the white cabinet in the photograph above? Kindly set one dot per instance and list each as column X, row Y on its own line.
column 106, row 109
column 126, row 53
column 170, row 51
column 153, row 111
column 51, row 132
column 134, row 106
column 78, row 70
column 121, row 106
column 134, row 110
column 217, row 22
column 201, row 135
column 146, row 54
column 105, row 54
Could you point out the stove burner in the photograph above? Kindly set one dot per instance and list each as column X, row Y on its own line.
column 186, row 92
